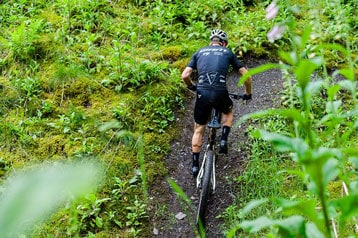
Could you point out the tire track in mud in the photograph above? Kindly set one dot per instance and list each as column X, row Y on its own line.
column 164, row 202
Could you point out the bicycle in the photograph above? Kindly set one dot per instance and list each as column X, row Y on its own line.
column 206, row 175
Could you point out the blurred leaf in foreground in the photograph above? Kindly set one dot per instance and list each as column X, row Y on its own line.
column 30, row 196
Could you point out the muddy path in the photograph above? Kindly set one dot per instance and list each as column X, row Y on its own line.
column 165, row 204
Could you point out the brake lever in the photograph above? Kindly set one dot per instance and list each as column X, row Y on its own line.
column 236, row 96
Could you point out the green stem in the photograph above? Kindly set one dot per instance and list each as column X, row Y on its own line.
column 324, row 208
column 310, row 140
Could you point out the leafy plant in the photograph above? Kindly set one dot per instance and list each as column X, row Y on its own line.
column 29, row 89
column 16, row 132
column 136, row 213
column 321, row 165
column 141, row 73
column 72, row 121
column 135, row 207
column 158, row 110
column 24, row 43
column 89, row 212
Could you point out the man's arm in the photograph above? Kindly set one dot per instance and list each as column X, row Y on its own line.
column 248, row 82
column 185, row 76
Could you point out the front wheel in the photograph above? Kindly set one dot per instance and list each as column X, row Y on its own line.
column 205, row 189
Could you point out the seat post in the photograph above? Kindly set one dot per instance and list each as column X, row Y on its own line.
column 215, row 119
column 213, row 125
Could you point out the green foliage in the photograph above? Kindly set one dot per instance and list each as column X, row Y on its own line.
column 158, row 110
column 29, row 90
column 251, row 38
column 321, row 161
column 73, row 121
column 121, row 208
column 154, row 109
column 89, row 214
column 141, row 73
column 68, row 68
column 267, row 174
column 24, row 41
column 16, row 132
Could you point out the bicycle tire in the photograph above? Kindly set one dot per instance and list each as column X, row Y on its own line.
column 205, row 189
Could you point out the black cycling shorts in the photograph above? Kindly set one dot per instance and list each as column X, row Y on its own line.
column 206, row 99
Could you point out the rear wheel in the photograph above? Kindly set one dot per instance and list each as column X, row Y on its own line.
column 205, row 189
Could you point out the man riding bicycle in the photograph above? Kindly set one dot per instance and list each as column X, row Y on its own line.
column 212, row 64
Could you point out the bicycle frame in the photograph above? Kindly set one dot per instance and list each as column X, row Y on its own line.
column 206, row 175
column 213, row 125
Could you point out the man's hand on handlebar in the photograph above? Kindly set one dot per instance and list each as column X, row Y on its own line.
column 246, row 96
column 241, row 96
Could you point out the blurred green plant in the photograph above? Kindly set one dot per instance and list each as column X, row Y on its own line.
column 187, row 207
column 31, row 196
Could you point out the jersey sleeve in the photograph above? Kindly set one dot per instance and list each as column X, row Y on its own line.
column 236, row 63
column 192, row 62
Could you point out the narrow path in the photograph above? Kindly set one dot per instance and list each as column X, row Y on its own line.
column 266, row 88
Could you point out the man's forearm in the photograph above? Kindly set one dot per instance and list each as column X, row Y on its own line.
column 248, row 86
column 185, row 76
column 248, row 82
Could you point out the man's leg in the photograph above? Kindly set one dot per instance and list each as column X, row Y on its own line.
column 226, row 120
column 196, row 143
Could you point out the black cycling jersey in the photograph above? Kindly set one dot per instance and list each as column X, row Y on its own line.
column 212, row 64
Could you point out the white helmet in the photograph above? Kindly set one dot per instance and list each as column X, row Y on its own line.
column 220, row 34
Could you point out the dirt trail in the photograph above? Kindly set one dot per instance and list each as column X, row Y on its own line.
column 165, row 204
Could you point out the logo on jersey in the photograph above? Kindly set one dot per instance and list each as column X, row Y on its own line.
column 215, row 51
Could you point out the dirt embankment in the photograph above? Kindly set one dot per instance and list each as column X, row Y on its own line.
column 165, row 203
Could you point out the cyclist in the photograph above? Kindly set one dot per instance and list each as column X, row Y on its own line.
column 212, row 64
